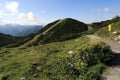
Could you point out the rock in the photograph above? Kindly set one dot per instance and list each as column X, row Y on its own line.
column 76, row 40
column 23, row 78
column 70, row 64
column 114, row 32
column 119, row 42
column 119, row 37
column 35, row 75
column 103, row 78
column 116, row 39
column 70, row 52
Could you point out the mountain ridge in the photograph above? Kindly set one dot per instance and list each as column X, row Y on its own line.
column 59, row 30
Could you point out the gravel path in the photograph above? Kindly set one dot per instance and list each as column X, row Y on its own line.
column 113, row 73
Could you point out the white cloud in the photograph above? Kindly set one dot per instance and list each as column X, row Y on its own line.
column 9, row 14
column 116, row 10
column 1, row 11
column 30, row 18
column 106, row 10
column 3, row 22
column 12, row 7
column 103, row 10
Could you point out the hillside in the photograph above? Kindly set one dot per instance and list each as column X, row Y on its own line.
column 64, row 30
column 114, row 33
column 12, row 41
column 97, row 25
column 59, row 60
column 66, row 53
column 59, row 30
column 6, row 40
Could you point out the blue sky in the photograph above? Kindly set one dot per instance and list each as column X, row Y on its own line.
column 45, row 11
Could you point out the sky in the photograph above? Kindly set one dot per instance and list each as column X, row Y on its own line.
column 41, row 12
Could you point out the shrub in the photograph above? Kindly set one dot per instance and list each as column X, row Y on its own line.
column 88, row 64
column 62, row 69
column 94, row 52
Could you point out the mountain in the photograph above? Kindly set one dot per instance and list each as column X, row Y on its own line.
column 114, row 33
column 63, row 30
column 59, row 30
column 13, row 41
column 19, row 30
column 69, row 54
column 6, row 40
column 101, row 28
column 97, row 25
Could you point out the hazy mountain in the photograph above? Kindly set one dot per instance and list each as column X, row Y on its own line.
column 19, row 30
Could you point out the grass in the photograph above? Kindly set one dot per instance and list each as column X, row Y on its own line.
column 103, row 32
column 15, row 62
column 19, row 62
column 58, row 31
column 30, row 62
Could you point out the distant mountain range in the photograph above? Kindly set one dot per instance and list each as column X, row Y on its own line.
column 19, row 30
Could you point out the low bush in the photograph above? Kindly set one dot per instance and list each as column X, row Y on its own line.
column 94, row 52
column 86, row 64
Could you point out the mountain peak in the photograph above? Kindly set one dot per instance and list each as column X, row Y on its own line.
column 59, row 30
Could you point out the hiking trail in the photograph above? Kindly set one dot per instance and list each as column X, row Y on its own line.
column 113, row 73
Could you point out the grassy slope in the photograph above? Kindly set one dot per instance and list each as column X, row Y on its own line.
column 58, row 31
column 10, row 41
column 42, row 32
column 6, row 40
column 14, row 60
column 103, row 32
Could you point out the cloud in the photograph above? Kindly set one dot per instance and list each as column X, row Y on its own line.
column 106, row 10
column 12, row 7
column 29, row 18
column 101, row 10
column 10, row 14
column 1, row 11
column 116, row 10
column 1, row 22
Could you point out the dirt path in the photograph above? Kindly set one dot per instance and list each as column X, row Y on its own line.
column 113, row 73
